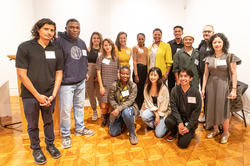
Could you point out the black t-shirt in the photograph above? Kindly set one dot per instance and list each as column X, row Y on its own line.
column 41, row 64
column 93, row 54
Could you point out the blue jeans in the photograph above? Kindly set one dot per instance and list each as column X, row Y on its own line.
column 149, row 117
column 125, row 116
column 71, row 96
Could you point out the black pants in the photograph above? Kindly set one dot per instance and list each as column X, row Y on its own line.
column 142, row 74
column 31, row 110
column 183, row 140
column 171, row 80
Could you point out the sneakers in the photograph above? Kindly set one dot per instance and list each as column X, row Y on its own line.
column 39, row 156
column 171, row 137
column 53, row 151
column 84, row 132
column 95, row 115
column 202, row 119
column 66, row 142
column 133, row 139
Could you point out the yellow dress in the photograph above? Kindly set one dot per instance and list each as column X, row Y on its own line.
column 124, row 56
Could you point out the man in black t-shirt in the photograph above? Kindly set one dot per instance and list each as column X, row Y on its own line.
column 39, row 66
column 176, row 44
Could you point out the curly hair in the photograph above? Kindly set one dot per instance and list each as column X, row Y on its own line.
column 91, row 42
column 117, row 41
column 113, row 55
column 39, row 24
column 225, row 43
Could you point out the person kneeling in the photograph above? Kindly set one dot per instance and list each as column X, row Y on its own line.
column 156, row 99
column 122, row 96
column 185, row 104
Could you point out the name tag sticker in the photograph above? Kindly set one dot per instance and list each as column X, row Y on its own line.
column 196, row 62
column 125, row 93
column 84, row 52
column 50, row 55
column 140, row 50
column 106, row 61
column 127, row 51
column 178, row 49
column 192, row 100
column 221, row 63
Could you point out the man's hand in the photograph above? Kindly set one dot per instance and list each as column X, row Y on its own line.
column 115, row 112
column 43, row 100
column 182, row 129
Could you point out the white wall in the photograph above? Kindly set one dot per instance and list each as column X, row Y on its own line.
column 229, row 17
column 16, row 22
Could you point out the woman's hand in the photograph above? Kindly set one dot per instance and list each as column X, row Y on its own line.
column 136, row 79
column 203, row 94
column 233, row 94
column 157, row 120
column 102, row 91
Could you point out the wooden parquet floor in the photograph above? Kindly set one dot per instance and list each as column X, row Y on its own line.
column 102, row 149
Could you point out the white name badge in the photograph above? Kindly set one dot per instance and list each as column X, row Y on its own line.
column 196, row 62
column 178, row 49
column 192, row 100
column 106, row 61
column 127, row 51
column 50, row 55
column 140, row 50
column 84, row 52
column 221, row 63
column 125, row 93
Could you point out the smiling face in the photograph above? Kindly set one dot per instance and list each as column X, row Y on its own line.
column 157, row 36
column 73, row 29
column 184, row 78
column 107, row 47
column 207, row 32
column 123, row 40
column 141, row 40
column 178, row 33
column 217, row 44
column 96, row 40
column 46, row 32
column 153, row 77
column 188, row 41
column 125, row 75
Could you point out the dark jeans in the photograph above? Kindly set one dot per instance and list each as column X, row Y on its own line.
column 142, row 74
column 183, row 140
column 31, row 110
column 125, row 116
column 171, row 80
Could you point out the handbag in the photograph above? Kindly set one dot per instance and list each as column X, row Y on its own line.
column 235, row 104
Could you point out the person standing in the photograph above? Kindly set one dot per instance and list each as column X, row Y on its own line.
column 185, row 104
column 92, row 85
column 159, row 54
column 203, row 48
column 176, row 44
column 72, row 90
column 216, row 85
column 140, row 53
column 39, row 66
column 107, row 66
column 188, row 58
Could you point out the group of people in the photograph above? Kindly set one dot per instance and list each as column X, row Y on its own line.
column 163, row 90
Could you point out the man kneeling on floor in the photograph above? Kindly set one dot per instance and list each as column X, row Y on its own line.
column 122, row 99
column 185, row 103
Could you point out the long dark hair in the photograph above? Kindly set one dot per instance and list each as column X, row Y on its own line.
column 91, row 42
column 159, row 81
column 225, row 43
column 117, row 41
column 39, row 24
column 113, row 55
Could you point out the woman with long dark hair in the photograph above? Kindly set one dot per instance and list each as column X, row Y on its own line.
column 156, row 99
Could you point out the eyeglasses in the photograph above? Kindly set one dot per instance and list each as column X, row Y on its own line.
column 207, row 31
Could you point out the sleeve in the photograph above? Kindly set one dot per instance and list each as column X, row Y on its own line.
column 60, row 60
column 130, row 100
column 236, row 59
column 99, row 63
column 168, row 56
column 174, row 105
column 206, row 60
column 176, row 63
column 196, row 112
column 22, row 58
column 118, row 63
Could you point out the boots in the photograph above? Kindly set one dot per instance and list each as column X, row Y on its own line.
column 105, row 120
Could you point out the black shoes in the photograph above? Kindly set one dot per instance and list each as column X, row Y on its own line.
column 53, row 151
column 39, row 156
